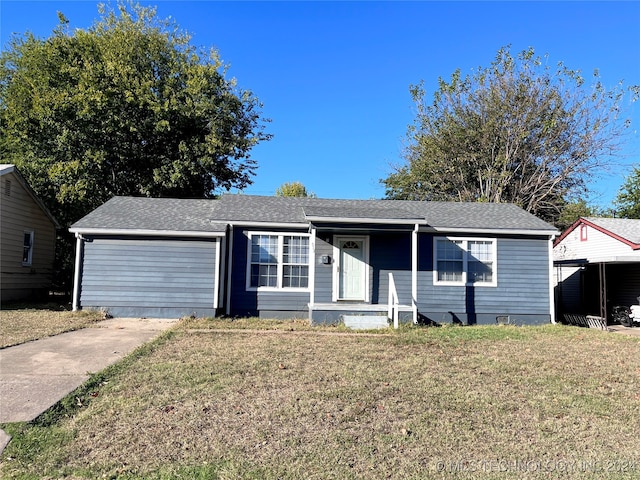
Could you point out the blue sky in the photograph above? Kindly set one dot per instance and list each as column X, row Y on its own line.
column 334, row 77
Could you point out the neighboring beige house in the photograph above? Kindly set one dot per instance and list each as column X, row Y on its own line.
column 27, row 239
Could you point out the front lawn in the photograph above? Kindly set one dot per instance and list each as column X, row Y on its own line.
column 450, row 402
column 19, row 325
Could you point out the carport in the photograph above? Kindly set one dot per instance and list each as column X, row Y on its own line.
column 592, row 287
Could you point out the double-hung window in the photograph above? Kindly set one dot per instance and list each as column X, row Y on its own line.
column 278, row 261
column 460, row 261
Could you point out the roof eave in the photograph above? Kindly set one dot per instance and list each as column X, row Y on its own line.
column 493, row 231
column 242, row 223
column 145, row 232
column 384, row 221
column 585, row 221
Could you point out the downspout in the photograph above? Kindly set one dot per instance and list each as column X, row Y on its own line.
column 76, row 273
column 414, row 273
column 230, row 269
column 552, row 302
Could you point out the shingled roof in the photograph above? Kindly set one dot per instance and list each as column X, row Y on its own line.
column 625, row 228
column 141, row 214
column 211, row 216
column 438, row 215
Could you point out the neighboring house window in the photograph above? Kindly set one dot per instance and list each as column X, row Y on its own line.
column 465, row 261
column 583, row 233
column 278, row 261
column 27, row 248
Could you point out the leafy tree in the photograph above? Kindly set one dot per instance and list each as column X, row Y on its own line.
column 125, row 107
column 517, row 131
column 627, row 201
column 293, row 189
column 572, row 211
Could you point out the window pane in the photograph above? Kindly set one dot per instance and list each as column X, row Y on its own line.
column 480, row 261
column 296, row 250
column 264, row 275
column 450, row 254
column 264, row 249
column 449, row 250
column 26, row 249
column 295, row 276
column 449, row 271
column 480, row 251
column 480, row 272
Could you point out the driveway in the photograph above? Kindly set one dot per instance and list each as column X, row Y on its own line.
column 36, row 375
column 633, row 331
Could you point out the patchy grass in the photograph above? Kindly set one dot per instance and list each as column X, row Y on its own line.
column 254, row 323
column 25, row 324
column 457, row 402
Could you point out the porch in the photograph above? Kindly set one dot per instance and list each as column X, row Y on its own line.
column 331, row 313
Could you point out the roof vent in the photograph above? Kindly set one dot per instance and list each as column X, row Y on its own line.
column 7, row 187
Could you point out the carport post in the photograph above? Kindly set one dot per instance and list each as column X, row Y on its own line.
column 602, row 274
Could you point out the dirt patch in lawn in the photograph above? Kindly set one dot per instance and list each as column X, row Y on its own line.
column 464, row 400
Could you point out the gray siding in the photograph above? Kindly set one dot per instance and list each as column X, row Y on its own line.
column 149, row 277
column 522, row 290
column 388, row 252
column 323, row 273
column 391, row 253
column 272, row 304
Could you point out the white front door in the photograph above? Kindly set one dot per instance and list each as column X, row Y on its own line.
column 352, row 268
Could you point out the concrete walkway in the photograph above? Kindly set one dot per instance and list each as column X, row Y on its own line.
column 36, row 375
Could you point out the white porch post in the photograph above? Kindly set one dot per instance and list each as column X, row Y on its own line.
column 414, row 273
column 216, row 288
column 76, row 274
column 312, row 271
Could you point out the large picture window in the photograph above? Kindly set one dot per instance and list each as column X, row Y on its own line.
column 465, row 261
column 278, row 261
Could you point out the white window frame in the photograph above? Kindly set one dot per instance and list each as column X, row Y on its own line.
column 465, row 261
column 29, row 261
column 280, row 262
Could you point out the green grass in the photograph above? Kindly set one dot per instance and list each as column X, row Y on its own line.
column 300, row 403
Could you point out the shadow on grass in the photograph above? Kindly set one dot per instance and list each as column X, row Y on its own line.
column 57, row 302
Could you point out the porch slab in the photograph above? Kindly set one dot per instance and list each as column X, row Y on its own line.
column 365, row 322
